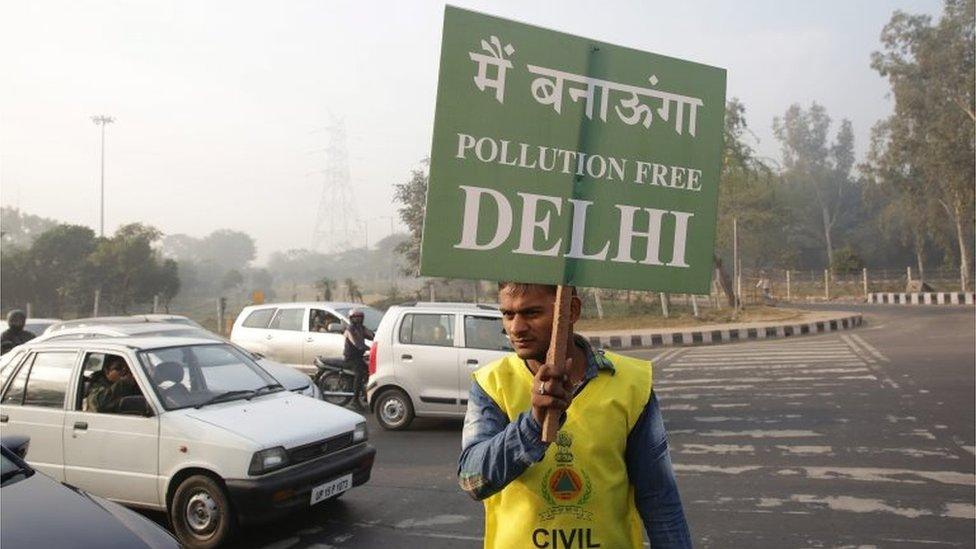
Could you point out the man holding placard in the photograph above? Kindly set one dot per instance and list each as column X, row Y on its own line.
column 559, row 161
column 610, row 471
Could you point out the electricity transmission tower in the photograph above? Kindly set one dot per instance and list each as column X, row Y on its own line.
column 337, row 222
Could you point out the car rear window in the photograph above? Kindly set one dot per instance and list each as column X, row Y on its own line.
column 483, row 332
column 259, row 318
column 428, row 329
column 288, row 319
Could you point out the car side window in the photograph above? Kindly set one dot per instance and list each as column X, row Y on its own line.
column 48, row 380
column 10, row 365
column 319, row 320
column 288, row 319
column 106, row 379
column 485, row 332
column 259, row 318
column 15, row 392
column 428, row 329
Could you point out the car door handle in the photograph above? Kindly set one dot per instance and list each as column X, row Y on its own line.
column 81, row 425
column 269, row 336
column 4, row 418
column 473, row 361
column 309, row 340
column 406, row 357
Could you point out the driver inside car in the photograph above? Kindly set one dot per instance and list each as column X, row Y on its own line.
column 109, row 386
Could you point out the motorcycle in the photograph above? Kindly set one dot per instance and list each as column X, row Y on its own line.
column 335, row 378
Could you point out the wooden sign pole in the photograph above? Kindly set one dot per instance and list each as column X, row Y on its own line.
column 557, row 352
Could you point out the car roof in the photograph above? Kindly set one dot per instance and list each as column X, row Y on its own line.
column 329, row 304
column 127, row 330
column 121, row 319
column 449, row 305
column 134, row 343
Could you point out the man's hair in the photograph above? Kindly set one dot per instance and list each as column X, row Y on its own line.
column 519, row 288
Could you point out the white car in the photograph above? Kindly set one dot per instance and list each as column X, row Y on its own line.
column 292, row 379
column 206, row 435
column 423, row 356
column 131, row 319
column 296, row 333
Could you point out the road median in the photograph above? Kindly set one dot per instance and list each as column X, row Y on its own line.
column 811, row 323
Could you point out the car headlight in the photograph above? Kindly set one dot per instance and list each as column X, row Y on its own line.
column 268, row 460
column 360, row 433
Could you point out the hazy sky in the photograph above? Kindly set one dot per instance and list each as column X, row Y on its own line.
column 220, row 106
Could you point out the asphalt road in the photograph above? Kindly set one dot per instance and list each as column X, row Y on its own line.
column 861, row 439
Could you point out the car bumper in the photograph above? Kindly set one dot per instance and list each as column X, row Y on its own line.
column 290, row 490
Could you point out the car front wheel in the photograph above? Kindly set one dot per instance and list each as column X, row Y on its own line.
column 394, row 411
column 201, row 514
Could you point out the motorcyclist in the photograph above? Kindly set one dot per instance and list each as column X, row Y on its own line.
column 15, row 334
column 355, row 336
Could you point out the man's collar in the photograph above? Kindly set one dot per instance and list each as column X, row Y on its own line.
column 596, row 361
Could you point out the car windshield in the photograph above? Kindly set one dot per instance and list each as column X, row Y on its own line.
column 199, row 375
column 371, row 319
column 11, row 471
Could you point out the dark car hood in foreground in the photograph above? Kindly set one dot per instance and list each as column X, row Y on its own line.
column 39, row 512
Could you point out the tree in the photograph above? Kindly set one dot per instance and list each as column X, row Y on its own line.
column 326, row 284
column 228, row 248
column 168, row 282
column 747, row 194
column 128, row 268
column 59, row 268
column 352, row 289
column 412, row 195
column 818, row 173
column 932, row 133
column 231, row 280
column 19, row 229
column 907, row 208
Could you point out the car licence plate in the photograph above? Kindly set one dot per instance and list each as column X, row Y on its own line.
column 331, row 488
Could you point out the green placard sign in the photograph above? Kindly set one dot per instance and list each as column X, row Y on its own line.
column 562, row 160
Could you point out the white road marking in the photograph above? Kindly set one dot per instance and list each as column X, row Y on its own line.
column 722, row 449
column 783, row 433
column 877, row 354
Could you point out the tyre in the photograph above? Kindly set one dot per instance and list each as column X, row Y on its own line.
column 336, row 383
column 394, row 411
column 201, row 514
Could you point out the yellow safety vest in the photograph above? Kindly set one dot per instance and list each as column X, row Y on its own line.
column 579, row 495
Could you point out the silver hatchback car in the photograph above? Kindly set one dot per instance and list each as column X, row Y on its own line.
column 422, row 358
column 296, row 333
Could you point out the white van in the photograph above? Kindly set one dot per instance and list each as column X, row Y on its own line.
column 296, row 333
column 423, row 355
column 200, row 431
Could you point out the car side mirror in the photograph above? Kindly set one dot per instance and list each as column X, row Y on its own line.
column 17, row 444
column 335, row 328
column 135, row 405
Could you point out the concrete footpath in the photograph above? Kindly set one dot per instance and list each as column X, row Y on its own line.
column 710, row 334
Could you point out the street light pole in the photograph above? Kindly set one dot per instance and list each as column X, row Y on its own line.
column 102, row 120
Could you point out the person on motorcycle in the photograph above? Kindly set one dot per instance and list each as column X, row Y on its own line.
column 356, row 335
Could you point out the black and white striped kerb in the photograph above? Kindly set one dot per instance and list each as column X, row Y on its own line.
column 923, row 298
column 711, row 337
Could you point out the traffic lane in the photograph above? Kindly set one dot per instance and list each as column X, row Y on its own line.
column 411, row 499
column 772, row 441
column 931, row 351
